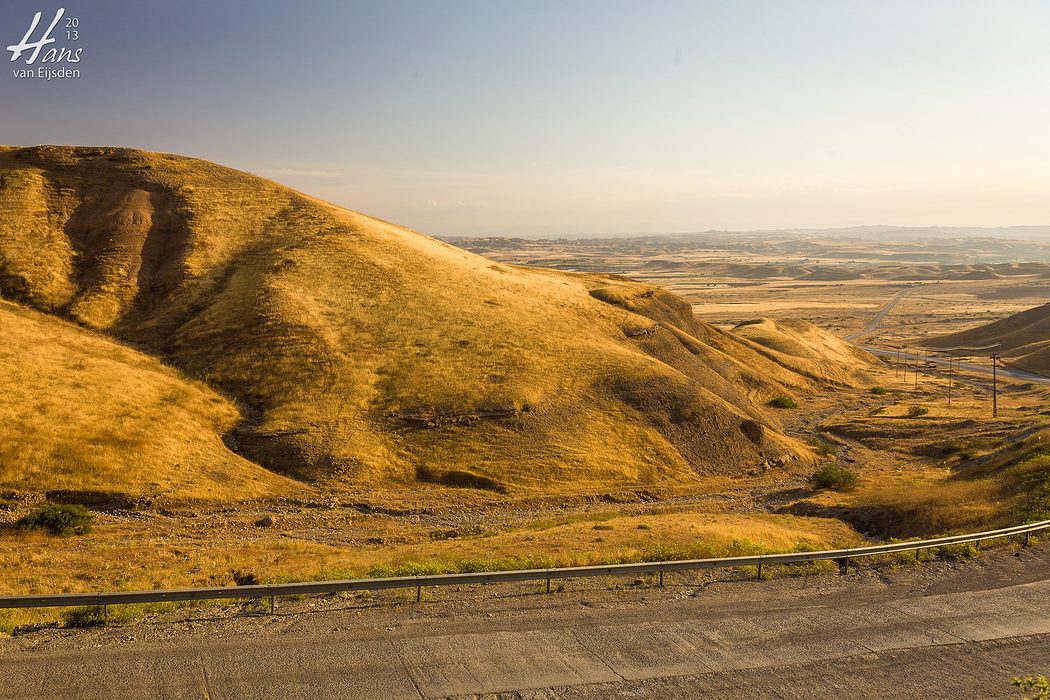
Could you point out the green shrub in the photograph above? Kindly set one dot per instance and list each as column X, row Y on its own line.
column 92, row 616
column 833, row 476
column 59, row 520
column 957, row 552
column 1035, row 484
column 949, row 447
column 782, row 402
column 879, row 390
column 1034, row 688
column 916, row 411
column 244, row 578
column 824, row 448
column 602, row 527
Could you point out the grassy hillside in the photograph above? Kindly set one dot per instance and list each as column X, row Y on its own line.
column 808, row 350
column 364, row 352
column 81, row 413
column 1009, row 486
column 1024, row 338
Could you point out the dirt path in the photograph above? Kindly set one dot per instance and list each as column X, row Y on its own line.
column 907, row 633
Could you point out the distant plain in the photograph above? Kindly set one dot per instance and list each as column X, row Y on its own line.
column 244, row 383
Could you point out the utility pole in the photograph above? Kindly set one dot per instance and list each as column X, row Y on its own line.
column 897, row 364
column 995, row 386
column 950, row 358
column 916, row 371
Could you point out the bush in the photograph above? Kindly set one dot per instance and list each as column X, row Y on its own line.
column 879, row 390
column 957, row 552
column 824, row 448
column 59, row 520
column 1033, row 687
column 782, row 402
column 916, row 411
column 243, row 578
column 92, row 616
column 833, row 476
column 949, row 447
column 1035, row 485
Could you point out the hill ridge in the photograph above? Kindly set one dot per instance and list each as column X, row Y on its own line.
column 362, row 352
column 1024, row 338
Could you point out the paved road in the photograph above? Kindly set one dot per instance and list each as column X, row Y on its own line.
column 876, row 320
column 1010, row 372
column 962, row 631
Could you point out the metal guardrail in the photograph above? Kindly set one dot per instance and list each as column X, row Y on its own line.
column 271, row 591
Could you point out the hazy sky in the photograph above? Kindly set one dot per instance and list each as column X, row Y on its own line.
column 534, row 117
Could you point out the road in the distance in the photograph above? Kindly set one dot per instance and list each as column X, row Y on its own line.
column 940, row 630
column 876, row 320
column 1011, row 372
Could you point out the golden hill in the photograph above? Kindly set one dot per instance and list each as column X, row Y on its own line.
column 363, row 353
column 808, row 350
column 82, row 413
column 1024, row 338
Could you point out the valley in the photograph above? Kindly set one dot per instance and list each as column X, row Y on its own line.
column 243, row 383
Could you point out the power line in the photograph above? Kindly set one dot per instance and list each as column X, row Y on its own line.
column 995, row 386
column 950, row 381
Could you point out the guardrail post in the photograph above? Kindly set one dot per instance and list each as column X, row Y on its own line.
column 842, row 557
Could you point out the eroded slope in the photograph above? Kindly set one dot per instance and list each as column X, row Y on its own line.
column 367, row 353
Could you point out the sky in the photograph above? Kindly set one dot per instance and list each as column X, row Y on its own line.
column 573, row 117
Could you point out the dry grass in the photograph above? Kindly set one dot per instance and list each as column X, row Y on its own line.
column 1024, row 338
column 368, row 353
column 169, row 554
column 82, row 413
column 938, row 506
column 809, row 350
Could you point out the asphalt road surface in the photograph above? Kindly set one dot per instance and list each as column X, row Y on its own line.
column 1003, row 372
column 941, row 630
column 876, row 320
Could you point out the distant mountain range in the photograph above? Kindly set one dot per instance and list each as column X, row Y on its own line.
column 865, row 244
column 883, row 232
